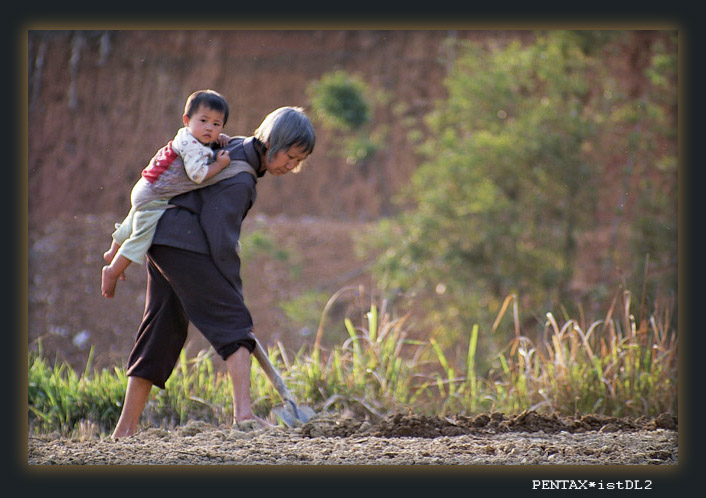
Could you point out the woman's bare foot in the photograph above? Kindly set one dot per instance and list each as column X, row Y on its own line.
column 250, row 424
column 121, row 434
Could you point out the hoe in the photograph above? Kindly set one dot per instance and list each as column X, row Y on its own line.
column 290, row 413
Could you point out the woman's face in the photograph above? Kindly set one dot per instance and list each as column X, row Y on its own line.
column 285, row 161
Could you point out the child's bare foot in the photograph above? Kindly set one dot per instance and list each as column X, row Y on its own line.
column 108, row 282
column 109, row 255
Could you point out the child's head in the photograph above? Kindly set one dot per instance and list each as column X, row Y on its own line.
column 284, row 128
column 210, row 99
column 205, row 114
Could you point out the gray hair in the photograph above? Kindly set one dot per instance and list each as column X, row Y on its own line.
column 284, row 128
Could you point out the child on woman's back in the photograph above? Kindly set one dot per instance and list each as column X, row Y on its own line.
column 185, row 163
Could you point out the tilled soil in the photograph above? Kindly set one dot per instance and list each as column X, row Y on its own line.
column 489, row 439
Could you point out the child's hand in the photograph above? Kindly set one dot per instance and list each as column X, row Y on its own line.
column 222, row 140
column 223, row 158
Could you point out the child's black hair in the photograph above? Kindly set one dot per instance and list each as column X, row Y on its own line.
column 208, row 98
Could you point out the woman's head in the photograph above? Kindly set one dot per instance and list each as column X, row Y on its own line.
column 284, row 129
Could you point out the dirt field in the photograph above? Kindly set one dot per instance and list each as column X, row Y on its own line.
column 494, row 439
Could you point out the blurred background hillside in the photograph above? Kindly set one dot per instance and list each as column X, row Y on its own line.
column 102, row 102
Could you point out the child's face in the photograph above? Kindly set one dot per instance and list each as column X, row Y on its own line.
column 205, row 124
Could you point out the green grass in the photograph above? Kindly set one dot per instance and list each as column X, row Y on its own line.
column 614, row 366
column 62, row 400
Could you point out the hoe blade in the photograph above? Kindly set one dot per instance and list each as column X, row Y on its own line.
column 293, row 415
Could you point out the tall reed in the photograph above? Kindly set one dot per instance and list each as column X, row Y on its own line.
column 612, row 366
column 616, row 366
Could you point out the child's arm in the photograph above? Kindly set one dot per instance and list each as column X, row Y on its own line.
column 197, row 157
column 222, row 160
